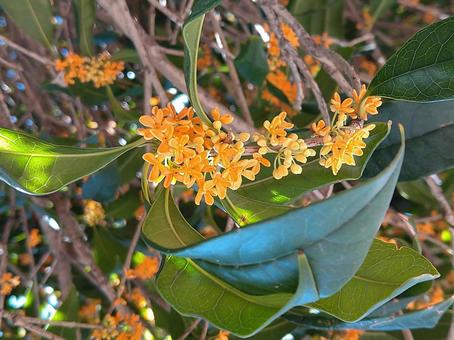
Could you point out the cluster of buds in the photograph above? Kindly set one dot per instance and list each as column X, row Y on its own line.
column 120, row 326
column 100, row 70
column 341, row 142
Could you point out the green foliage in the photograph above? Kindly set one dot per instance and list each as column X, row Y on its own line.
column 267, row 197
column 38, row 168
column 33, row 16
column 426, row 318
column 265, row 258
column 86, row 14
column 421, row 70
column 385, row 273
column 192, row 30
column 427, row 126
column 252, row 62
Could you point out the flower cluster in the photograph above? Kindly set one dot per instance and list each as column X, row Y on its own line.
column 191, row 152
column 94, row 213
column 290, row 150
column 120, row 326
column 100, row 70
column 34, row 238
column 8, row 282
column 340, row 141
column 145, row 270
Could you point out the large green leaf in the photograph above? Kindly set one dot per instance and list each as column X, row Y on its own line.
column 37, row 167
column 429, row 132
column 267, row 197
column 260, row 258
column 193, row 291
column 320, row 16
column 385, row 273
column 426, row 318
column 86, row 11
column 192, row 30
column 33, row 16
column 422, row 69
column 252, row 62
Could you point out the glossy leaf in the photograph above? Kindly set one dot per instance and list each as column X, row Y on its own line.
column 37, row 167
column 33, row 16
column 385, row 273
column 427, row 127
column 252, row 62
column 192, row 30
column 260, row 258
column 426, row 318
column 422, row 69
column 267, row 197
column 223, row 305
column 103, row 185
column 86, row 12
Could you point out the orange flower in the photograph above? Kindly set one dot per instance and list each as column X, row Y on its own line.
column 90, row 311
column 8, row 282
column 223, row 335
column 144, row 270
column 100, row 69
column 290, row 35
column 364, row 105
column 121, row 327
column 34, row 238
column 320, row 128
column 276, row 128
column 342, row 108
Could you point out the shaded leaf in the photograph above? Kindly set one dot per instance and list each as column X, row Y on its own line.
column 426, row 318
column 427, row 127
column 422, row 69
column 68, row 311
column 86, row 12
column 103, row 185
column 33, row 16
column 37, row 167
column 252, row 62
column 118, row 110
column 385, row 273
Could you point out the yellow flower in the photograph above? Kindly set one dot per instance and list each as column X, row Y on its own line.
column 94, row 213
column 342, row 148
column 290, row 35
column 365, row 105
column 341, row 108
column 276, row 128
column 320, row 128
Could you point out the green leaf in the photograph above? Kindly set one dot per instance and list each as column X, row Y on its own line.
column 422, row 69
column 103, row 185
column 268, row 197
column 320, row 16
column 418, row 192
column 385, row 273
column 260, row 258
column 86, row 12
column 252, row 62
column 119, row 112
column 426, row 318
column 192, row 30
column 107, row 251
column 127, row 55
column 37, row 167
column 276, row 330
column 193, row 291
column 33, row 16
column 427, row 127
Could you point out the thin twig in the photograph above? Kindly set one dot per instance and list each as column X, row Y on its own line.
column 28, row 53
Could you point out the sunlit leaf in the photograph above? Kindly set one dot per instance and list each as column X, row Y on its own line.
column 37, row 167
column 422, row 69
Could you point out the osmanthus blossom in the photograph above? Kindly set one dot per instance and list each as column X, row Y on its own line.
column 214, row 159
